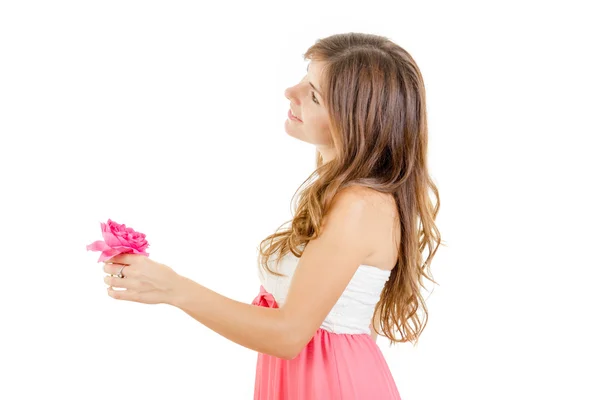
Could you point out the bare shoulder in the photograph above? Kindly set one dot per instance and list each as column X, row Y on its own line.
column 382, row 230
column 371, row 196
column 368, row 202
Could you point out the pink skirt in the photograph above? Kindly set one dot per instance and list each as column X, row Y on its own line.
column 332, row 366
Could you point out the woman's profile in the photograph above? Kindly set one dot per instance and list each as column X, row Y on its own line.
column 350, row 264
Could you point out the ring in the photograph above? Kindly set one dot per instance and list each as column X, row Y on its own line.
column 120, row 274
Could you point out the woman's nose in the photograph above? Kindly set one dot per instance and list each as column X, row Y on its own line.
column 291, row 94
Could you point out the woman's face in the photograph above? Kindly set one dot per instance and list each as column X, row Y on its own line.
column 306, row 103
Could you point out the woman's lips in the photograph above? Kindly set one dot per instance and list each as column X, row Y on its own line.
column 290, row 116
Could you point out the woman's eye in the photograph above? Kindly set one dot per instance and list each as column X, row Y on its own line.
column 314, row 98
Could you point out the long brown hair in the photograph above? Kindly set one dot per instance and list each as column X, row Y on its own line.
column 375, row 97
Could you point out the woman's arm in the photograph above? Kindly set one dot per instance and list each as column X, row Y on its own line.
column 324, row 270
column 258, row 328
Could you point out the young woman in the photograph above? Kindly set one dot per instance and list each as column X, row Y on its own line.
column 350, row 266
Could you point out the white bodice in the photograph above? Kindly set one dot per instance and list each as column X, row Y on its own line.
column 354, row 309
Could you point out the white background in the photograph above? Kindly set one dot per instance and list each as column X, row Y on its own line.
column 169, row 117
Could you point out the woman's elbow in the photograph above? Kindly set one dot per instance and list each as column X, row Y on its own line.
column 290, row 356
column 294, row 346
column 292, row 350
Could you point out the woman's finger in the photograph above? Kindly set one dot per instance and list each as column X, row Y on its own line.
column 114, row 269
column 128, row 295
column 120, row 282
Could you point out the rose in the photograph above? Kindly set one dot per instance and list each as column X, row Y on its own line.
column 118, row 239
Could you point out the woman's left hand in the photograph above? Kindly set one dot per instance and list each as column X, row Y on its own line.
column 145, row 281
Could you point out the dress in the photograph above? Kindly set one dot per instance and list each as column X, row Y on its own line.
column 341, row 361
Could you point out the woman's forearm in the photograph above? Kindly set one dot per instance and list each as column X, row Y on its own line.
column 258, row 328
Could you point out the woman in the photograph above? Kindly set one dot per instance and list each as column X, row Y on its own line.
column 350, row 266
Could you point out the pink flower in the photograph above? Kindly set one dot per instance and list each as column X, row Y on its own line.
column 118, row 239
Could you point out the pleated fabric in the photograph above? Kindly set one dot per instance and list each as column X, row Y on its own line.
column 332, row 366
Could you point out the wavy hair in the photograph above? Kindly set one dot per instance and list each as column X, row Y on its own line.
column 375, row 97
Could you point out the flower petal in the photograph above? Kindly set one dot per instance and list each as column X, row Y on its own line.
column 98, row 245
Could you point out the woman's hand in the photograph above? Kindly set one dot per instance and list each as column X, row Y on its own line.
column 145, row 281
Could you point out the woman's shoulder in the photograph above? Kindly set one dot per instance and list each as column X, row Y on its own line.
column 367, row 195
column 381, row 204
column 385, row 229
